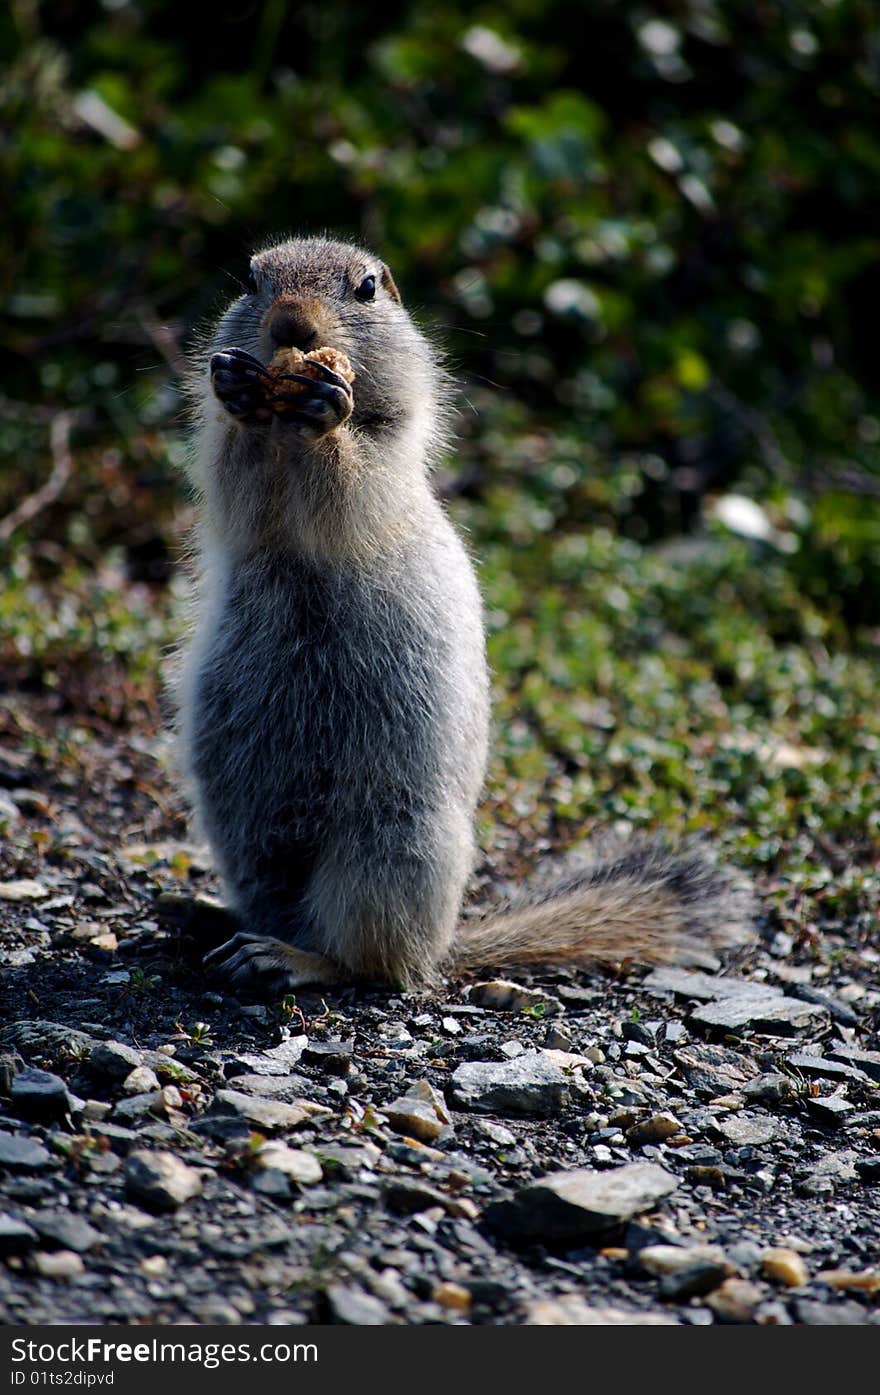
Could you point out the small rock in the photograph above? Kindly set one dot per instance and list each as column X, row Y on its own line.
column 502, row 995
column 60, row 1264
column 23, row 890
column 736, row 1301
column 135, row 1108
column 154, row 1266
column 414, row 1118
column 770, row 1089
column 573, row 1311
column 277, row 1061
column 868, row 1169
column 114, row 1060
column 140, row 1081
column 496, row 1133
column 19, row 1154
column 424, row 1090
column 815, row 1314
column 332, row 1056
column 454, row 1297
column 66, row 1229
column 825, row 1068
column 356, row 1308
column 39, row 1095
column 757, row 1012
column 10, row 1065
column 16, row 1237
column 160, row 1180
column 654, row 1129
column 675, row 1259
column 270, row 1115
column 746, row 1130
column 694, row 1281
column 295, row 1163
column 864, row 1281
column 570, row 1206
column 530, row 1085
column 867, row 1061
column 784, row 1266
column 832, row 1110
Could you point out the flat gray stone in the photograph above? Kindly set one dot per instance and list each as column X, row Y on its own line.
column 757, row 1011
column 685, row 983
column 66, row 1229
column 566, row 1207
column 18, row 1154
column 114, row 1060
column 868, row 1061
column 40, row 1095
column 832, row 1109
column 747, row 1130
column 355, row 1307
column 16, row 1236
column 826, row 1068
column 529, row 1084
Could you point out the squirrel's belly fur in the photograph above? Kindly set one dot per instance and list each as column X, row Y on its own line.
column 334, row 698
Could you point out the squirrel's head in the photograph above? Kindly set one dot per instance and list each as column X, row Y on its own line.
column 310, row 293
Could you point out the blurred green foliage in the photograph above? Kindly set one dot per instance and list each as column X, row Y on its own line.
column 649, row 235
column 655, row 226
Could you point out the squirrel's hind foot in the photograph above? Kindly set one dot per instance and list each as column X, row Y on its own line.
column 265, row 964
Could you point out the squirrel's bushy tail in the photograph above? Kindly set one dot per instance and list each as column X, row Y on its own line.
column 641, row 902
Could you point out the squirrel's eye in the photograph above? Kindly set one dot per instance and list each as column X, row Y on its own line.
column 252, row 286
column 367, row 289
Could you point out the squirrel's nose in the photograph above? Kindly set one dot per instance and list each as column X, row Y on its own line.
column 293, row 323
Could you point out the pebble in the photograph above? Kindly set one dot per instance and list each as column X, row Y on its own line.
column 573, row 1311
column 502, row 995
column 355, row 1307
column 453, row 1297
column 757, row 1012
column 570, row 1206
column 736, row 1301
column 271, row 1115
column 784, row 1266
column 60, row 1264
column 770, row 1089
column 23, row 890
column 832, row 1110
column 746, row 1130
column 39, row 1095
column 16, row 1236
column 530, row 1085
column 140, row 1081
column 865, row 1281
column 675, row 1259
column 18, row 1154
column 414, row 1118
column 114, row 1060
column 332, row 1056
column 66, row 1229
column 655, row 1129
column 160, row 1180
column 295, row 1163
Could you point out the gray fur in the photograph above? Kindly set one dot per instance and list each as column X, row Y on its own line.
column 334, row 697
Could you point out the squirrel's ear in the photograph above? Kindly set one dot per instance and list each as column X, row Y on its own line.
column 388, row 283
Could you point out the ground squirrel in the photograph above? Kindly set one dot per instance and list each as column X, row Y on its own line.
column 334, row 697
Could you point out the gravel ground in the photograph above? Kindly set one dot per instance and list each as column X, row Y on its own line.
column 649, row 1147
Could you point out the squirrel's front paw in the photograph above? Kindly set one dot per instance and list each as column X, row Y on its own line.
column 316, row 403
column 242, row 386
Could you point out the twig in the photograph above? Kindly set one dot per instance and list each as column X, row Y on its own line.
column 62, row 469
